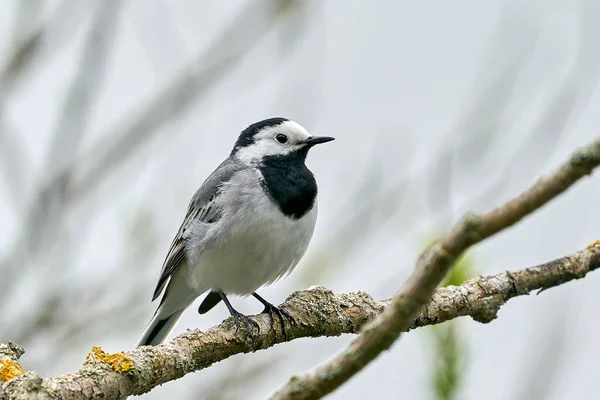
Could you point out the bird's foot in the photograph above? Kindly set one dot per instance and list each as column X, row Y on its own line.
column 280, row 312
column 239, row 318
column 248, row 323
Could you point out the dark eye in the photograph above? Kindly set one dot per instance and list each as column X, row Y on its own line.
column 281, row 138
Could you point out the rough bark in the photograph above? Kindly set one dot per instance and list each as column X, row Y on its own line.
column 429, row 272
column 318, row 312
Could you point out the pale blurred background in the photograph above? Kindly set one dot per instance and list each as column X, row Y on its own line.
column 113, row 112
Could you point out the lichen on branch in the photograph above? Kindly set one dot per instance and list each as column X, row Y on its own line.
column 9, row 364
column 431, row 268
column 318, row 312
column 118, row 361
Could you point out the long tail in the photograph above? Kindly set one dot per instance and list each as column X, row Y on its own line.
column 177, row 297
column 158, row 328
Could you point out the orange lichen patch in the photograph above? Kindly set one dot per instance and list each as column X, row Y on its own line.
column 9, row 369
column 596, row 243
column 118, row 361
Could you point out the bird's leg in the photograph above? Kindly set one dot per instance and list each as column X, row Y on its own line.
column 271, row 309
column 240, row 318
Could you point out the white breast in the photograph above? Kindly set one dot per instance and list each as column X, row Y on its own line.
column 252, row 244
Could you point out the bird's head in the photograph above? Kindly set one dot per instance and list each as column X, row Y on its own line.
column 274, row 137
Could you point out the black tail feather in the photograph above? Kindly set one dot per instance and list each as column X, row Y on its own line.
column 211, row 300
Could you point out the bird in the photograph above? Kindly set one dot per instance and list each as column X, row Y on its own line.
column 248, row 225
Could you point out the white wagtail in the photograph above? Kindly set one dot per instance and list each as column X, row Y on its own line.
column 248, row 225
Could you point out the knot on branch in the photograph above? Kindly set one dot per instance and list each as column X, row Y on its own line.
column 314, row 293
column 332, row 313
column 586, row 158
column 11, row 350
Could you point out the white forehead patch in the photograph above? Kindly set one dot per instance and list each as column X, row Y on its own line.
column 265, row 143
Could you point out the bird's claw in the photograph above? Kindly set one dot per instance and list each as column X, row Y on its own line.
column 241, row 319
column 281, row 312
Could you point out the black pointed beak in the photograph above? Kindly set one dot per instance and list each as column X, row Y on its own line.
column 311, row 141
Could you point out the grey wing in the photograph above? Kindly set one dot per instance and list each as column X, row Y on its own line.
column 202, row 208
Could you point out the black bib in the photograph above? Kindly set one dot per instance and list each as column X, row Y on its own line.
column 289, row 183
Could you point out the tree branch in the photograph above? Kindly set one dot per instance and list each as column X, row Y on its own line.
column 9, row 362
column 431, row 268
column 321, row 313
column 318, row 312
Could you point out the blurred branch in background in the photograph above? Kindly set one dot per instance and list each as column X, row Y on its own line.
column 34, row 42
column 69, row 308
column 69, row 176
column 74, row 311
column 448, row 343
column 562, row 110
column 469, row 146
column 485, row 120
column 431, row 268
column 448, row 365
column 234, row 384
column 29, row 38
column 545, row 360
column 372, row 204
column 45, row 214
column 14, row 160
column 194, row 81
column 318, row 312
column 47, row 208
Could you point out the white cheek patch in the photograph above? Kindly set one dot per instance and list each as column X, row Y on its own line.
column 265, row 143
column 255, row 152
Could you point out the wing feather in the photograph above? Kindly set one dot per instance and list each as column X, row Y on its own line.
column 202, row 208
column 175, row 256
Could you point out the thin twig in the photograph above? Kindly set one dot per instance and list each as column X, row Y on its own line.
column 431, row 268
